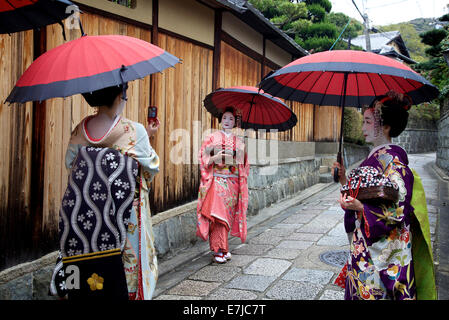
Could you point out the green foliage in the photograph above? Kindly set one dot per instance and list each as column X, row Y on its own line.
column 322, row 30
column 316, row 12
column 326, row 4
column 309, row 22
column 424, row 111
column 340, row 20
column 433, row 37
column 352, row 126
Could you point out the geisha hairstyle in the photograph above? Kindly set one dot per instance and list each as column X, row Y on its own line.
column 105, row 96
column 231, row 110
column 393, row 111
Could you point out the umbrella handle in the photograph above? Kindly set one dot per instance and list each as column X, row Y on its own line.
column 336, row 174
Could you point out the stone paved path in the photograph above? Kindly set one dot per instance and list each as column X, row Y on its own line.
column 282, row 258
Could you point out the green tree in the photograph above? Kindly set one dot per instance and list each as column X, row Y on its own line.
column 309, row 22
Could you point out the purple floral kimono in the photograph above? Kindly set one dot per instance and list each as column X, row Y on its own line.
column 380, row 265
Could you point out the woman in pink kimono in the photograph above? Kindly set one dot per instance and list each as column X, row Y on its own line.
column 223, row 192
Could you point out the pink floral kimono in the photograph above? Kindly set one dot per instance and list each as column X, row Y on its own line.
column 223, row 192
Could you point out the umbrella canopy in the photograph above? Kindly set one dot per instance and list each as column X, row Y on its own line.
column 87, row 64
column 319, row 79
column 20, row 15
column 346, row 78
column 260, row 111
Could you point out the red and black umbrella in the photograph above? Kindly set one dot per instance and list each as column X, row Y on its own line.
column 346, row 78
column 87, row 64
column 259, row 110
column 20, row 15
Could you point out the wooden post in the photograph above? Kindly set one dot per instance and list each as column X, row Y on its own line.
column 217, row 54
column 38, row 149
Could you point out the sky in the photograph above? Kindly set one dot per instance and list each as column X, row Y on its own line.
column 383, row 12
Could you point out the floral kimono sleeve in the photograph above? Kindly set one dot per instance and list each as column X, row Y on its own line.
column 380, row 221
column 145, row 154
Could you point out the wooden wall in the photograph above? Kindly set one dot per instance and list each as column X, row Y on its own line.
column 15, row 151
column 179, row 93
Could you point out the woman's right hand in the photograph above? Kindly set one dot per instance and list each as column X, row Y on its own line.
column 341, row 172
column 153, row 127
column 221, row 158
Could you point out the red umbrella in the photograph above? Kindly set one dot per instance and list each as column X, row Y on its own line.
column 259, row 110
column 87, row 64
column 20, row 15
column 346, row 78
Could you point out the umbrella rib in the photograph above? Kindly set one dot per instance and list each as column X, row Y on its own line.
column 372, row 85
column 358, row 89
column 411, row 83
column 294, row 89
column 384, row 82
column 309, row 91
column 397, row 82
column 327, row 87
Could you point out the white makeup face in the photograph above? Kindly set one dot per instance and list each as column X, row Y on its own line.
column 369, row 126
column 227, row 121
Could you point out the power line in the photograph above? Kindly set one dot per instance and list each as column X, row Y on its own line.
column 388, row 4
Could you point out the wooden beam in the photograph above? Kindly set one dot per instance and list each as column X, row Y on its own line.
column 217, row 49
column 38, row 148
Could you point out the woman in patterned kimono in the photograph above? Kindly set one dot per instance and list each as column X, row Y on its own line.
column 108, row 129
column 390, row 250
column 223, row 191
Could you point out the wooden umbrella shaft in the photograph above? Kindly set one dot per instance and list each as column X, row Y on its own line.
column 339, row 154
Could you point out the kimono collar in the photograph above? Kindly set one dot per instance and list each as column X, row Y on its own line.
column 100, row 140
column 227, row 134
column 383, row 146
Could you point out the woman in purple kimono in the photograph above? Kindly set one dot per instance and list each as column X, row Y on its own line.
column 381, row 264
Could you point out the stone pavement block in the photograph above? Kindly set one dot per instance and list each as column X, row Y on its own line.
column 305, row 236
column 318, row 226
column 333, row 295
column 215, row 273
column 309, row 275
column 291, row 226
column 252, row 249
column 266, row 238
column 250, row 282
column 240, row 260
column 299, row 218
column 267, row 267
column 193, row 288
column 232, row 294
column 294, row 244
column 282, row 253
column 293, row 290
column 333, row 241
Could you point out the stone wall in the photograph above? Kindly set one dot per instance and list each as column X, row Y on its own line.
column 442, row 160
column 420, row 136
column 353, row 153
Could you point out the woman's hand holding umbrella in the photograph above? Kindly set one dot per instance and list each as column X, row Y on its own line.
column 341, row 172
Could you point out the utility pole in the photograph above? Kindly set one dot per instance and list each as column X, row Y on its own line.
column 367, row 38
column 366, row 27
